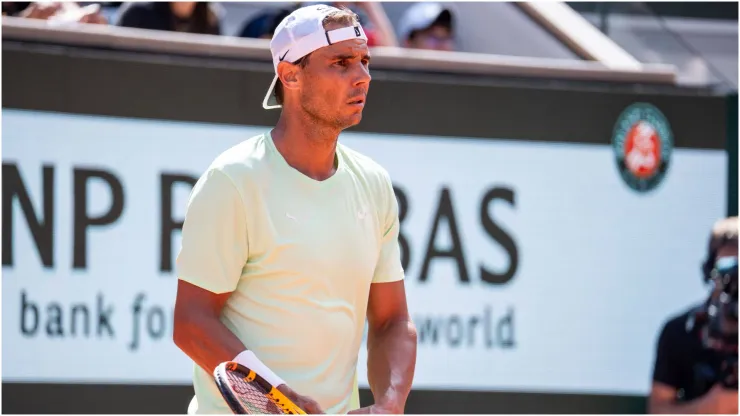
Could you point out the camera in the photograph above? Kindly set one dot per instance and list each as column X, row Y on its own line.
column 716, row 324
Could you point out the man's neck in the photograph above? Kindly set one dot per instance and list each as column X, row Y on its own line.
column 306, row 146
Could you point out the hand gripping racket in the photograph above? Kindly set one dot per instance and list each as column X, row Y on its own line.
column 246, row 392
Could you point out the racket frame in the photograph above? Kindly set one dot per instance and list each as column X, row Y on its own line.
column 250, row 376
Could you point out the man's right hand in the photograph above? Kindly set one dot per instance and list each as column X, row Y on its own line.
column 721, row 400
column 306, row 403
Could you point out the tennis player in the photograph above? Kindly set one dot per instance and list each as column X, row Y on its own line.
column 290, row 240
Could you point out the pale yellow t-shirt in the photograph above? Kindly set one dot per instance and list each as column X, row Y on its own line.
column 299, row 255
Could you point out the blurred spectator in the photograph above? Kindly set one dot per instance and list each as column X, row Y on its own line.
column 695, row 368
column 427, row 26
column 14, row 8
column 56, row 12
column 264, row 24
column 182, row 16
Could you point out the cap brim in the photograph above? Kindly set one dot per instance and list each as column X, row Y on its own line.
column 270, row 101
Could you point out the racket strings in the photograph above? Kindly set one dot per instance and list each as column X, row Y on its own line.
column 250, row 395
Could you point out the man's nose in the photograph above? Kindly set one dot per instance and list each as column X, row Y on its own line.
column 363, row 74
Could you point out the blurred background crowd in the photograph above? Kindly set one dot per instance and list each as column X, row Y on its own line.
column 425, row 25
column 700, row 39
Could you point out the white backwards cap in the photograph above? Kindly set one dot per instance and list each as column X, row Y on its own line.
column 301, row 33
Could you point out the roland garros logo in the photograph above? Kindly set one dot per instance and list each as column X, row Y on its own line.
column 642, row 142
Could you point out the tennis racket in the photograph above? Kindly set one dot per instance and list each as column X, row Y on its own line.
column 247, row 393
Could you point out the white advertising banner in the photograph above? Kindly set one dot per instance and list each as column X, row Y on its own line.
column 530, row 266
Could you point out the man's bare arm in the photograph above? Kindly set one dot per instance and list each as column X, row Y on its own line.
column 201, row 335
column 391, row 347
column 199, row 332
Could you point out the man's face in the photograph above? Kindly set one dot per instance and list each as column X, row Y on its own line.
column 728, row 325
column 335, row 82
column 727, row 250
column 437, row 37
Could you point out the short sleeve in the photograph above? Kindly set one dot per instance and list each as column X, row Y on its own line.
column 666, row 369
column 389, row 268
column 214, row 246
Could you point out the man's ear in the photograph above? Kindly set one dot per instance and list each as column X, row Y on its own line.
column 288, row 74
